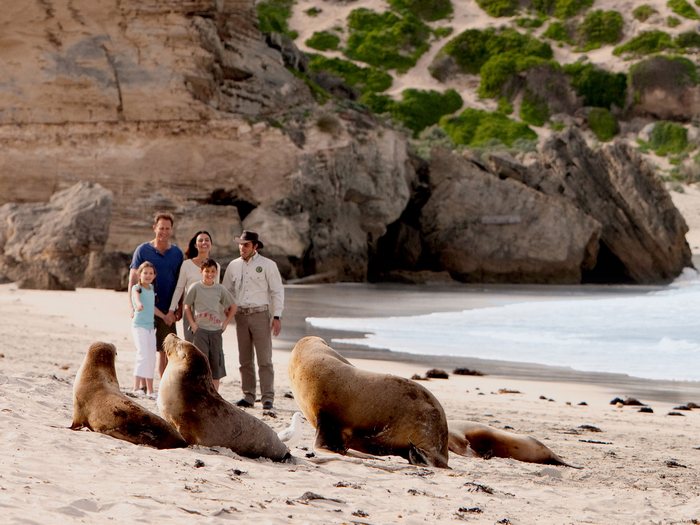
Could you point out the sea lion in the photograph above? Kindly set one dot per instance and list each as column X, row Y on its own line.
column 468, row 438
column 100, row 406
column 187, row 399
column 374, row 413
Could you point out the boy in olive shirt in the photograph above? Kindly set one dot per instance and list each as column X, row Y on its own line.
column 206, row 304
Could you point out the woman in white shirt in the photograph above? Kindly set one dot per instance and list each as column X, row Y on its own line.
column 198, row 249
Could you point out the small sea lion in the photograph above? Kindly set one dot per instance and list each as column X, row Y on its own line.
column 364, row 411
column 99, row 405
column 468, row 438
column 187, row 399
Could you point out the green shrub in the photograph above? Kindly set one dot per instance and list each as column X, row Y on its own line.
column 668, row 138
column 323, row 41
column 545, row 7
column 472, row 48
column 419, row 109
column 529, row 23
column 688, row 40
column 313, row 11
column 533, row 109
column 569, row 8
column 364, row 79
column 505, row 106
column 500, row 69
column 499, row 7
column 603, row 124
column 474, row 127
column 600, row 27
column 386, row 40
column 495, row 73
column 558, row 32
column 561, row 8
column 378, row 102
column 274, row 15
column 684, row 9
column 643, row 12
column 673, row 21
column 429, row 10
column 645, row 43
column 442, row 32
column 598, row 87
column 675, row 70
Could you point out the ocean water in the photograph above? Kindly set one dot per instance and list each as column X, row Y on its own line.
column 653, row 335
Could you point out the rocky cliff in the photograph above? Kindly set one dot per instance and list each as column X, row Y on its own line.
column 184, row 106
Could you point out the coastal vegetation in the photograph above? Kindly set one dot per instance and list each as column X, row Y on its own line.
column 668, row 138
column 643, row 12
column 602, row 123
column 386, row 40
column 684, row 9
column 417, row 108
column 599, row 28
column 323, row 41
column 475, row 127
column 646, row 43
column 428, row 10
column 598, row 87
column 506, row 60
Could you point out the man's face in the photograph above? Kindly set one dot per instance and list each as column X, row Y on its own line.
column 246, row 249
column 163, row 229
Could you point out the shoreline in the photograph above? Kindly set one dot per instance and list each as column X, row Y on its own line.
column 376, row 300
column 352, row 300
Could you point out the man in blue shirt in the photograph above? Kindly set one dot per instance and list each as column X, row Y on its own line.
column 166, row 257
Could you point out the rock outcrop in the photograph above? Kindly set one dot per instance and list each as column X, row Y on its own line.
column 483, row 228
column 575, row 214
column 58, row 245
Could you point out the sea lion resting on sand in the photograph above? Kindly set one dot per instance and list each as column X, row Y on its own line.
column 374, row 413
column 99, row 405
column 187, row 399
column 468, row 438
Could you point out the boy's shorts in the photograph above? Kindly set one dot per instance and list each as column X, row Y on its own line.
column 210, row 343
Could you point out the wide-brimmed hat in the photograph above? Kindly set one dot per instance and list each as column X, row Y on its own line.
column 249, row 236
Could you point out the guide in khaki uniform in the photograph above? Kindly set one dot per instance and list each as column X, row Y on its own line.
column 257, row 289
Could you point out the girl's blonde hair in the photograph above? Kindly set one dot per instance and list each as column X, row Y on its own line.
column 142, row 266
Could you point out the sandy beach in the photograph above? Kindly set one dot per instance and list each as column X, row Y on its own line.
column 638, row 468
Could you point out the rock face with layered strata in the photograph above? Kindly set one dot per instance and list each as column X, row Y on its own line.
column 185, row 106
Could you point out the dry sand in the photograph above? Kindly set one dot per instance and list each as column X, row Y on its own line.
column 640, row 468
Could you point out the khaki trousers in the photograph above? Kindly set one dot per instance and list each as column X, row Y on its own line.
column 253, row 332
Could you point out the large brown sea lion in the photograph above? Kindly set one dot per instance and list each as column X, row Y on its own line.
column 468, row 438
column 99, row 405
column 374, row 413
column 187, row 399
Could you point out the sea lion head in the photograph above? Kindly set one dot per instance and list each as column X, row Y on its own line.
column 99, row 363
column 186, row 355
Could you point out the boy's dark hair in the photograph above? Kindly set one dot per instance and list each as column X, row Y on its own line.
column 209, row 263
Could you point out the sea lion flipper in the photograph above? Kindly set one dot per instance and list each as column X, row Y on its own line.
column 329, row 435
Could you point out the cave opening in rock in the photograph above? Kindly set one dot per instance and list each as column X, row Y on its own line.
column 222, row 197
column 608, row 269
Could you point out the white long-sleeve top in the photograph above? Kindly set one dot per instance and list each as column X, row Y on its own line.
column 256, row 282
column 190, row 273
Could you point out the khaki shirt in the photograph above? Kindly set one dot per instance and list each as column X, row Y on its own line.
column 255, row 283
